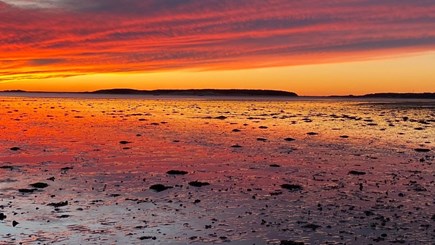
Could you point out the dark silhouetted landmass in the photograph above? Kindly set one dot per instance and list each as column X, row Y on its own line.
column 232, row 92
column 13, row 91
column 401, row 95
column 200, row 92
column 392, row 96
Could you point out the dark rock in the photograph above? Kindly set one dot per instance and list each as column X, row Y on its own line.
column 2, row 216
column 274, row 165
column 344, row 136
column 312, row 133
column 221, row 117
column 236, row 130
column 26, row 190
column 58, row 204
column 39, row 185
column 292, row 187
column 421, row 150
column 198, row 183
column 261, row 139
column 236, row 146
column 355, row 172
column 289, row 139
column 275, row 193
column 159, row 187
column 15, row 148
column 177, row 172
column 14, row 223
column 7, row 167
column 289, row 242
column 124, row 142
column 147, row 238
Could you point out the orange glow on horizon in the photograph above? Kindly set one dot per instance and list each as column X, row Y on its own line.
column 383, row 75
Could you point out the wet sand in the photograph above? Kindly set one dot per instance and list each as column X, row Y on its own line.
column 176, row 171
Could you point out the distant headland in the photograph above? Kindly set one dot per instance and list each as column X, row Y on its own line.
column 200, row 92
column 182, row 92
column 233, row 92
column 391, row 96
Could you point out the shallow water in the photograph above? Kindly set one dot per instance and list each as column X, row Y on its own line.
column 238, row 146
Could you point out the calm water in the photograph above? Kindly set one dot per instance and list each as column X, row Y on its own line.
column 363, row 170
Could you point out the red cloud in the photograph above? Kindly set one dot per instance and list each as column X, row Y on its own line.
column 79, row 37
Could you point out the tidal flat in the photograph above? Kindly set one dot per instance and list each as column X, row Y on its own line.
column 162, row 170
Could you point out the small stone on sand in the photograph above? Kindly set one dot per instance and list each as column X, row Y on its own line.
column 176, row 172
column 159, row 187
column 292, row 187
column 198, row 183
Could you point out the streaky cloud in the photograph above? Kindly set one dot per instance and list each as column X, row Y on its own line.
column 66, row 37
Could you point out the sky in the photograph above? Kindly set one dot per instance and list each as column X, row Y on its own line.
column 311, row 47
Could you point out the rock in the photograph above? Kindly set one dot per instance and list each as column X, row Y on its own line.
column 312, row 226
column 26, row 190
column 312, row 133
column 147, row 238
column 58, row 204
column 292, row 187
column 177, row 172
column 198, row 183
column 421, row 150
column 289, row 242
column 221, row 117
column 355, row 172
column 39, row 185
column 8, row 167
column 289, row 139
column 275, row 193
column 15, row 148
column 159, row 187
column 14, row 223
column 261, row 139
column 274, row 165
column 236, row 146
column 236, row 130
column 124, row 142
column 65, row 169
column 344, row 136
column 2, row 216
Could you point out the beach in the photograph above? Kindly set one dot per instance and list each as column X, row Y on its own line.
column 95, row 169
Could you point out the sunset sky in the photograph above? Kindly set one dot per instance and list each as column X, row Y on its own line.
column 311, row 47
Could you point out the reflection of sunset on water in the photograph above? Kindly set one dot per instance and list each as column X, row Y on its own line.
column 104, row 154
column 311, row 47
